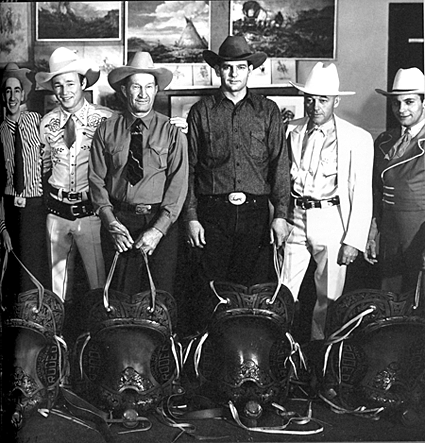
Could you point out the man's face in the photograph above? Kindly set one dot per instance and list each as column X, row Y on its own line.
column 408, row 109
column 13, row 95
column 234, row 75
column 320, row 108
column 69, row 91
column 140, row 91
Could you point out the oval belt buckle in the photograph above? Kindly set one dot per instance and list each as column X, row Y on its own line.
column 237, row 198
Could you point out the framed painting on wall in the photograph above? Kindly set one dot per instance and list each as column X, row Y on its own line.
column 173, row 32
column 78, row 21
column 180, row 105
column 290, row 106
column 15, row 36
column 300, row 29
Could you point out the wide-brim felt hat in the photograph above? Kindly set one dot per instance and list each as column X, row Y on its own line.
column 62, row 61
column 322, row 80
column 12, row 70
column 141, row 63
column 406, row 81
column 234, row 48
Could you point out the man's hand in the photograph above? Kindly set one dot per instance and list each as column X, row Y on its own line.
column 347, row 254
column 148, row 240
column 121, row 236
column 370, row 252
column 280, row 230
column 195, row 234
column 180, row 122
column 7, row 241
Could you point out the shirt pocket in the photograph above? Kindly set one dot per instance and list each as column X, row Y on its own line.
column 257, row 146
column 328, row 166
column 158, row 157
column 118, row 157
column 216, row 145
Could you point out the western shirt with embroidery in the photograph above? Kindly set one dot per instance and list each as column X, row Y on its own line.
column 69, row 166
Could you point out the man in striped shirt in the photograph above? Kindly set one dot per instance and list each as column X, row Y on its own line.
column 24, row 224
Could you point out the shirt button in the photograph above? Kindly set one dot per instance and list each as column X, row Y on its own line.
column 235, row 130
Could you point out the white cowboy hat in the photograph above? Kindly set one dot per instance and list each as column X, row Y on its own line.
column 64, row 60
column 141, row 63
column 406, row 81
column 322, row 80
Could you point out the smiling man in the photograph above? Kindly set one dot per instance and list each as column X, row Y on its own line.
column 399, row 186
column 331, row 208
column 138, row 178
column 67, row 132
column 23, row 229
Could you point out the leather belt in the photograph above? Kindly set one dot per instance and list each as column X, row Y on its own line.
column 69, row 211
column 71, row 196
column 310, row 203
column 235, row 198
column 138, row 209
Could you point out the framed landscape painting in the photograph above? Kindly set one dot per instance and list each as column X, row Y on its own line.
column 82, row 21
column 300, row 29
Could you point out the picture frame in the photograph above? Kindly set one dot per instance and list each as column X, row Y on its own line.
column 291, row 107
column 172, row 32
column 287, row 29
column 283, row 71
column 180, row 105
column 15, row 33
column 79, row 21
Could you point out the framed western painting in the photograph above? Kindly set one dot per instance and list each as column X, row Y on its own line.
column 15, row 36
column 79, row 21
column 300, row 29
column 173, row 32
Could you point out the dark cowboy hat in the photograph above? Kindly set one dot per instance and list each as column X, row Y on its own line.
column 62, row 61
column 12, row 70
column 141, row 63
column 234, row 48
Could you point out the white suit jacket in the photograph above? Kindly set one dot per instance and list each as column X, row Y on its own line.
column 354, row 175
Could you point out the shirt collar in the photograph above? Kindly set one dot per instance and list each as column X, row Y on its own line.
column 220, row 97
column 11, row 123
column 146, row 120
column 80, row 115
column 325, row 128
column 415, row 129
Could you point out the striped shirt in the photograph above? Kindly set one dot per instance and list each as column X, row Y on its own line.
column 29, row 123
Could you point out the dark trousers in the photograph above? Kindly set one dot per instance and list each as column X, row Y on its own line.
column 130, row 274
column 237, row 241
column 27, row 230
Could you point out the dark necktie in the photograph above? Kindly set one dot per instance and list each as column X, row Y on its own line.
column 400, row 145
column 135, row 155
column 18, row 176
column 69, row 132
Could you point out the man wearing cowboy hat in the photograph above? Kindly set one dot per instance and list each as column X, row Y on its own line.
column 24, row 226
column 399, row 186
column 331, row 205
column 67, row 132
column 138, row 178
column 238, row 162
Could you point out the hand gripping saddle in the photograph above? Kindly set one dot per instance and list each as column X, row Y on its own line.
column 374, row 357
column 37, row 354
column 127, row 362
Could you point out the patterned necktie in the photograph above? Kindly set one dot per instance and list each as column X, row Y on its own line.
column 69, row 132
column 18, row 176
column 135, row 155
column 400, row 145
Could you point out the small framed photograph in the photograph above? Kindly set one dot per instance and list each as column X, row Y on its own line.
column 180, row 105
column 201, row 74
column 78, row 21
column 283, row 71
column 261, row 76
column 291, row 107
column 182, row 75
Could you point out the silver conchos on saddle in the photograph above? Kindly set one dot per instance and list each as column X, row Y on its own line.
column 127, row 361
column 373, row 360
column 245, row 355
column 32, row 329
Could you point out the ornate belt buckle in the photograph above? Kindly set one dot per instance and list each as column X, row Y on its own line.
column 237, row 198
column 20, row 202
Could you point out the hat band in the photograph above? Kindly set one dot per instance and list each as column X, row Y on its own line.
column 232, row 56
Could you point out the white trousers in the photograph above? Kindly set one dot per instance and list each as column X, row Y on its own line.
column 317, row 233
column 64, row 238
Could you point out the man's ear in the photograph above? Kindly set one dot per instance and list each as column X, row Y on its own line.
column 84, row 83
column 124, row 90
column 337, row 101
column 23, row 96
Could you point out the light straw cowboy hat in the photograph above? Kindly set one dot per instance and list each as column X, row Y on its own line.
column 234, row 48
column 406, row 81
column 12, row 70
column 62, row 61
column 322, row 80
column 141, row 63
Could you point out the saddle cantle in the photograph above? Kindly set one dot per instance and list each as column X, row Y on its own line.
column 245, row 354
column 38, row 363
column 374, row 357
column 127, row 361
